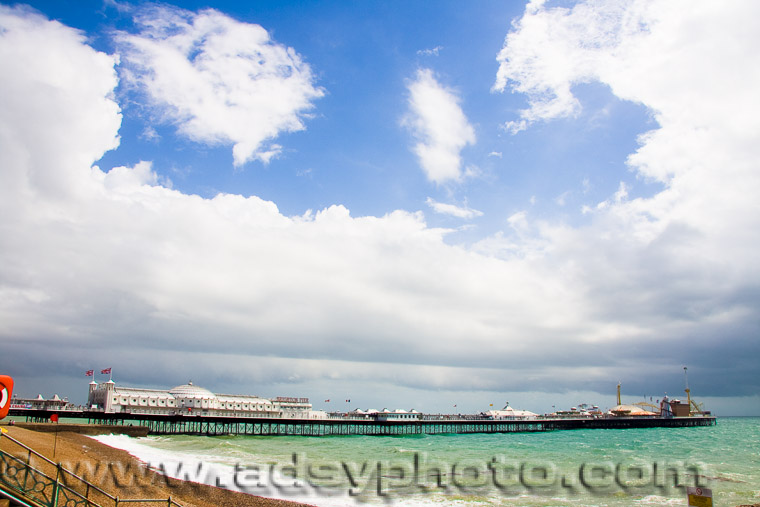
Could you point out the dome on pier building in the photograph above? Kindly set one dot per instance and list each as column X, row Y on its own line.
column 192, row 396
column 191, row 391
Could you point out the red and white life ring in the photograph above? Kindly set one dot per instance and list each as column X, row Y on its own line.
column 6, row 391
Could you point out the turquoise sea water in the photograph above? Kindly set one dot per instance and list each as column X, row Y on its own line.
column 580, row 467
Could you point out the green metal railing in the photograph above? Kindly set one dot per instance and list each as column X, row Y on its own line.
column 40, row 481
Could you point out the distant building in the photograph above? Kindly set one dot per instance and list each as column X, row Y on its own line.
column 680, row 409
column 40, row 403
column 189, row 399
column 582, row 411
column 509, row 413
column 396, row 415
column 380, row 415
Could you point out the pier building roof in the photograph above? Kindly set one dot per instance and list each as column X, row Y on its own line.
column 631, row 411
column 138, row 391
column 191, row 391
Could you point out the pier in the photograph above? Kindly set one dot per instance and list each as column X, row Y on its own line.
column 215, row 426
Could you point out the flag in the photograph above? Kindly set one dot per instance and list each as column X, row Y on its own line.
column 107, row 371
column 89, row 373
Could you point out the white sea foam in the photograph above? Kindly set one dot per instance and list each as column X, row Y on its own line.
column 259, row 466
column 221, row 472
column 658, row 500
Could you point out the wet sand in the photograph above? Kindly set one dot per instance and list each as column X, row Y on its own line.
column 120, row 474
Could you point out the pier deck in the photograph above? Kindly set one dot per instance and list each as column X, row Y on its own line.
column 205, row 425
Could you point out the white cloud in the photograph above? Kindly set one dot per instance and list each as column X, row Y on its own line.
column 518, row 221
column 440, row 127
column 681, row 60
column 63, row 102
column 561, row 199
column 149, row 133
column 430, row 52
column 452, row 209
column 553, row 49
column 219, row 80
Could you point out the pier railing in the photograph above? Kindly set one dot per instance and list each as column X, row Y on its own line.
column 31, row 477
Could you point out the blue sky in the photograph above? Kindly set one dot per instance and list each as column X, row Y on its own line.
column 355, row 150
column 405, row 203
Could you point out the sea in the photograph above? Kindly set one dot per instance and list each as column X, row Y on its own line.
column 599, row 467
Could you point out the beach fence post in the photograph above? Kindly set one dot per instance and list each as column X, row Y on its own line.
column 57, row 486
column 27, row 467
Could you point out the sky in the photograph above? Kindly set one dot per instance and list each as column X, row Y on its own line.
column 428, row 205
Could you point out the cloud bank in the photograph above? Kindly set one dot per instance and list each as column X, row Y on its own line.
column 677, row 264
column 99, row 264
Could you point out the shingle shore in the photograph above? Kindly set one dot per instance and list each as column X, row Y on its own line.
column 126, row 477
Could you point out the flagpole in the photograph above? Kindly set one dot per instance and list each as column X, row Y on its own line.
column 54, row 417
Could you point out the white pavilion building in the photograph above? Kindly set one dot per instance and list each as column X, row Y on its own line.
column 190, row 399
column 511, row 414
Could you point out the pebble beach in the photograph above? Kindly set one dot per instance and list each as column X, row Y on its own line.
column 81, row 453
